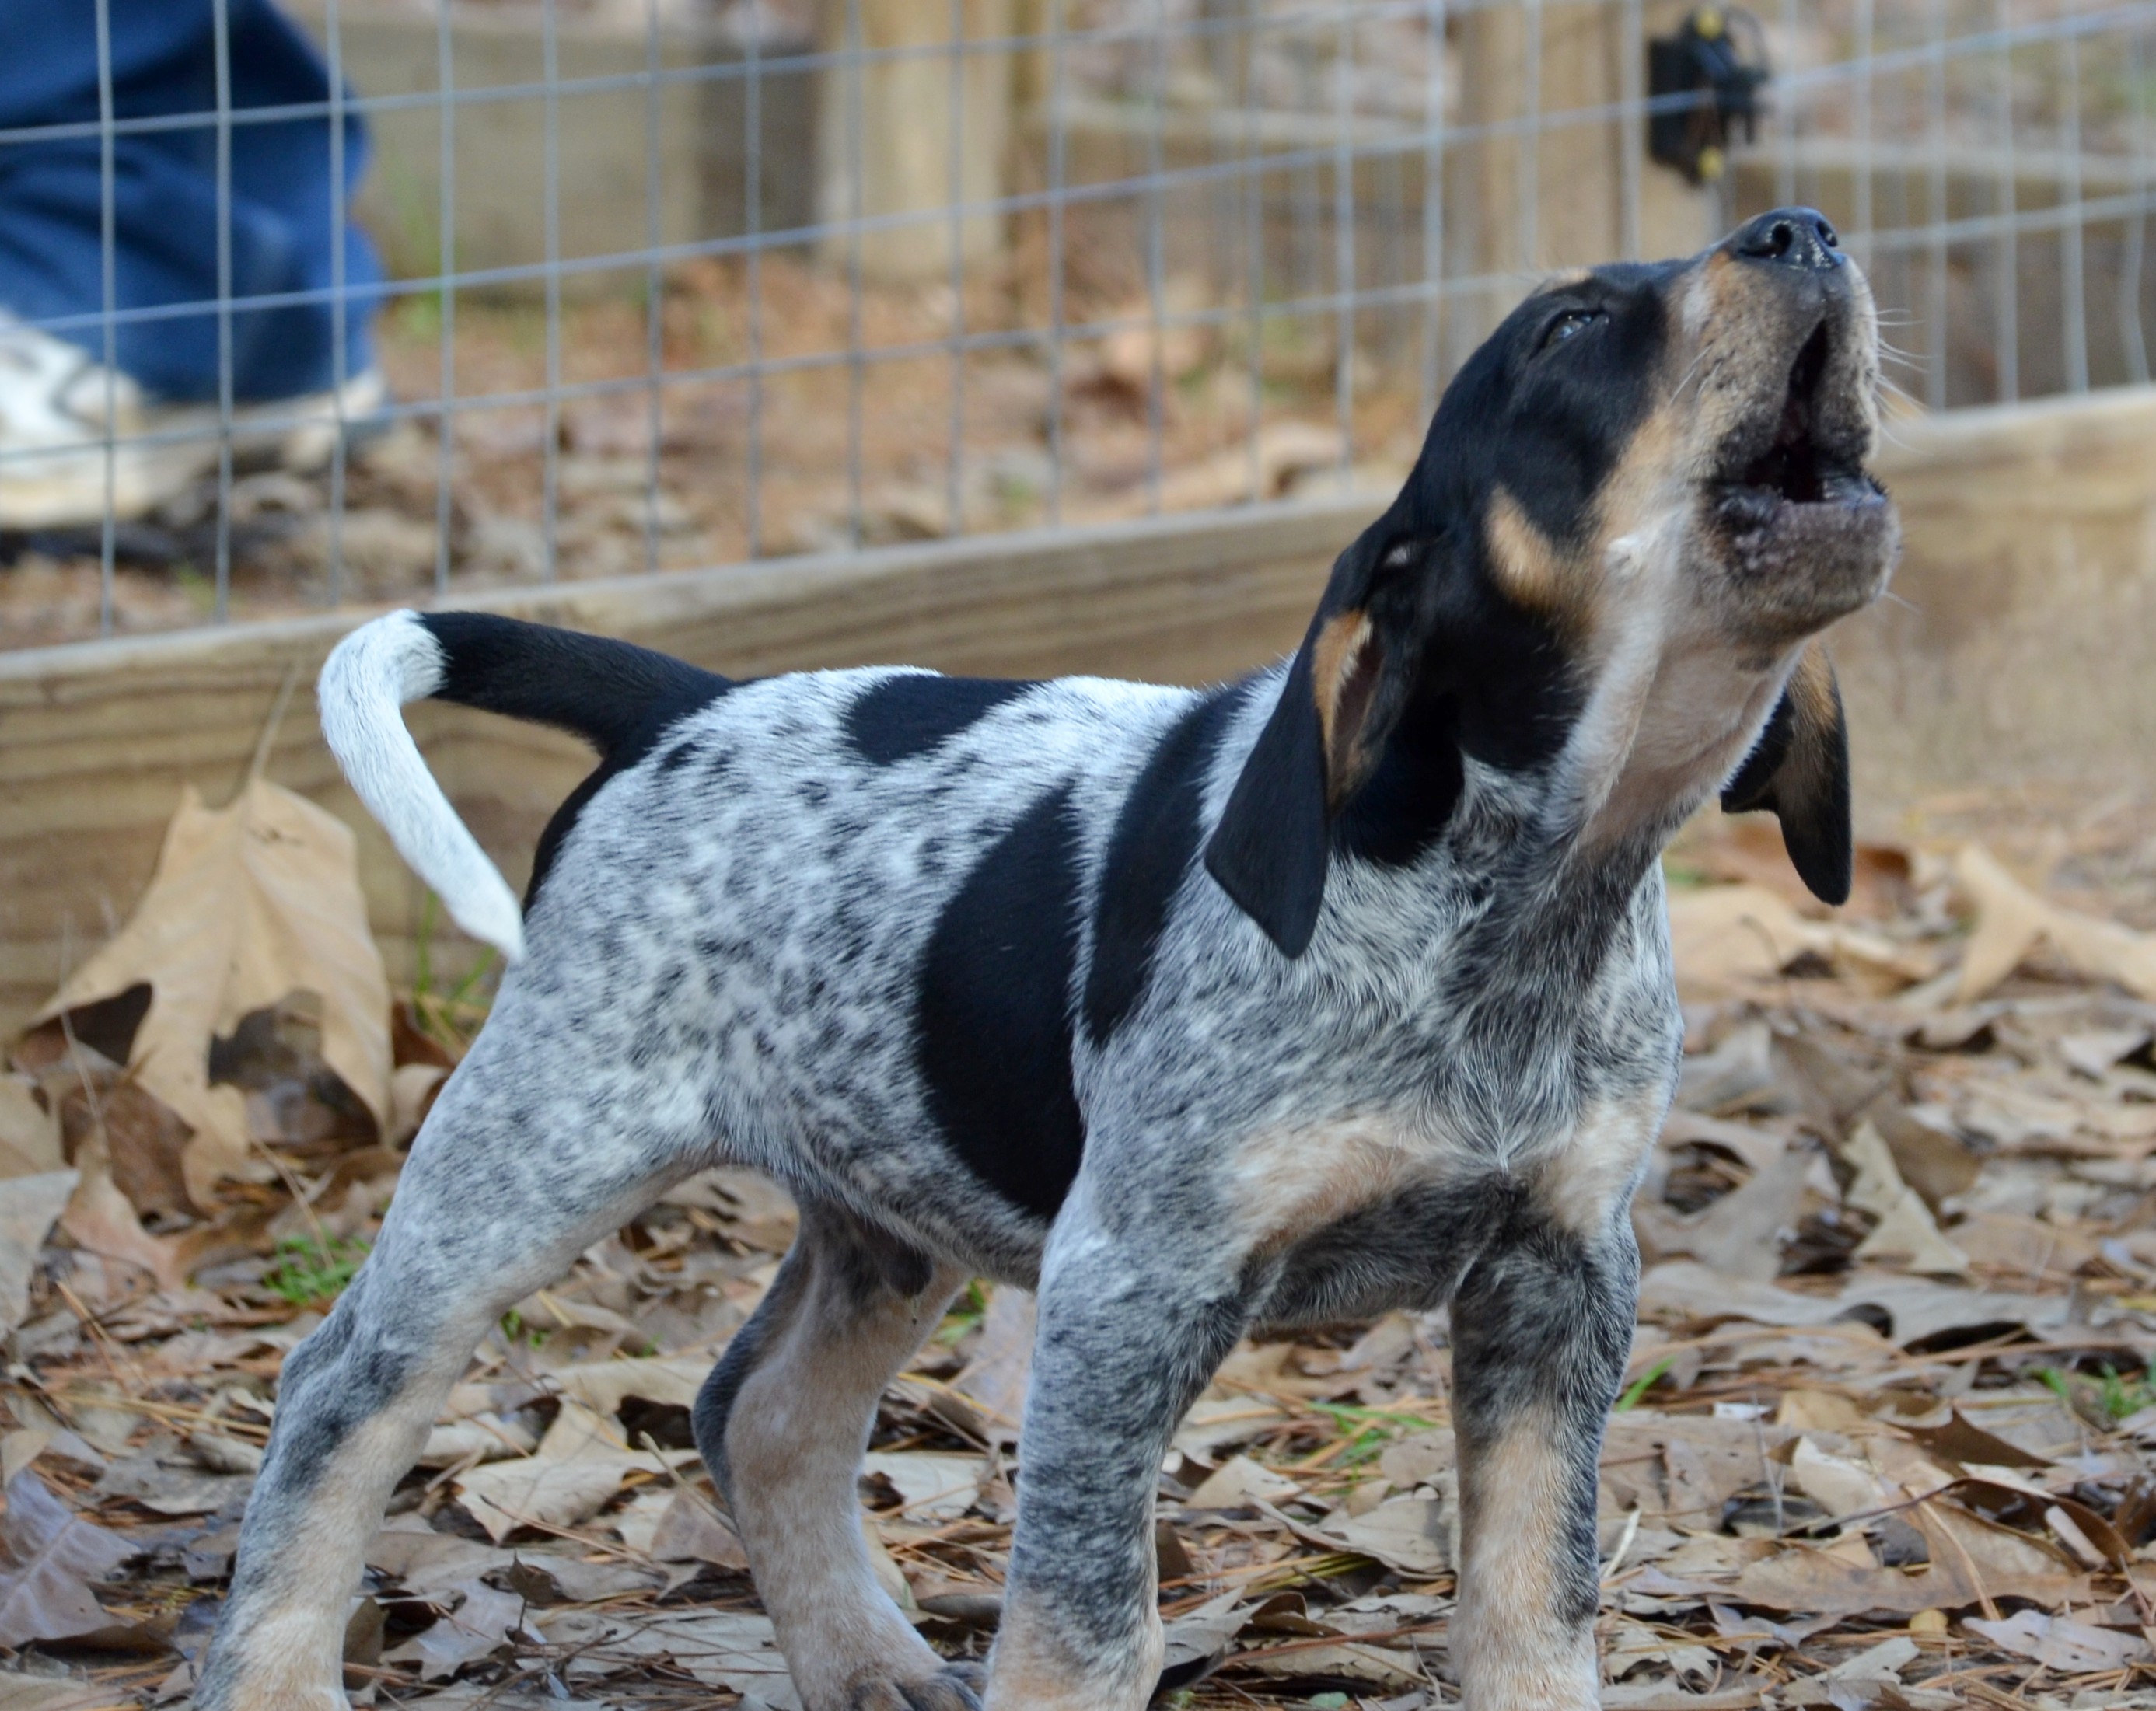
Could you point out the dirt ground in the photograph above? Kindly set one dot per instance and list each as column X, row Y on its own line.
column 800, row 462
column 1888, row 1437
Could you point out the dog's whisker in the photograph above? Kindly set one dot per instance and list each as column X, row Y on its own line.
column 1685, row 379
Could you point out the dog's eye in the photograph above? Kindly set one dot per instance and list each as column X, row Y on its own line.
column 1569, row 324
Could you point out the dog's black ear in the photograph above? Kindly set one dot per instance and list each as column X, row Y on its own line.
column 1343, row 693
column 1799, row 769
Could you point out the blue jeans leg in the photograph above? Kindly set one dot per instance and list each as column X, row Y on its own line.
column 284, row 206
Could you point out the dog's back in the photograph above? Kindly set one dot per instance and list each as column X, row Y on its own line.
column 854, row 921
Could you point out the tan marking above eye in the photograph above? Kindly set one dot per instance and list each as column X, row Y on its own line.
column 1528, row 566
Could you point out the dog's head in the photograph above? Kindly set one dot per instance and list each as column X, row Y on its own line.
column 1639, row 502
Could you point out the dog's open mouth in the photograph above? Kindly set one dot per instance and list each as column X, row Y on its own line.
column 1795, row 492
column 1799, row 468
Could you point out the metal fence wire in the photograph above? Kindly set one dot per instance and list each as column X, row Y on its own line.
column 642, row 285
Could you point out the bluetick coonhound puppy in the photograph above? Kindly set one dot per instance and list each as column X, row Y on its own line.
column 1342, row 988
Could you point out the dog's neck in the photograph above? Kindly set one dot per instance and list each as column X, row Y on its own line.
column 1556, row 970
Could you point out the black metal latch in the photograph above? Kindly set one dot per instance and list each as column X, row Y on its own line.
column 1702, row 61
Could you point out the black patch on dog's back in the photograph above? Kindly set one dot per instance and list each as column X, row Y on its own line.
column 1154, row 843
column 912, row 712
column 993, row 1034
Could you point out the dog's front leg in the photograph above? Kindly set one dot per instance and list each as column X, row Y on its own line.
column 1541, row 1327
column 1128, row 1333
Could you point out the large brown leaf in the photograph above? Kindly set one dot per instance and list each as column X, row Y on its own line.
column 250, row 902
column 2011, row 920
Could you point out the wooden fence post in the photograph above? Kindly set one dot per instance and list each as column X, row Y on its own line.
column 892, row 118
column 1524, row 202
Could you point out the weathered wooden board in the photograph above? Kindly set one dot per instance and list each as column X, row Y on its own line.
column 2015, row 647
column 97, row 740
column 2016, row 643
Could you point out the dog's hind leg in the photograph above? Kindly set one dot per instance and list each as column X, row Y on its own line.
column 519, row 1169
column 782, row 1421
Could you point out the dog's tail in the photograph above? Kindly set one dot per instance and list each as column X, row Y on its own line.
column 605, row 691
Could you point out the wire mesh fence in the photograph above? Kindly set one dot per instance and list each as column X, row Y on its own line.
column 637, row 286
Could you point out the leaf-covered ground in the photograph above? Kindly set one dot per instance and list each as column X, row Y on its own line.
column 1889, row 1438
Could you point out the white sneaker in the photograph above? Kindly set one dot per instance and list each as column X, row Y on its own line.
column 53, row 429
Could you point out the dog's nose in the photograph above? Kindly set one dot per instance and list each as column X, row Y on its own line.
column 1790, row 238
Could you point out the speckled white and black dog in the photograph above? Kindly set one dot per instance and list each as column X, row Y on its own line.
column 1342, row 988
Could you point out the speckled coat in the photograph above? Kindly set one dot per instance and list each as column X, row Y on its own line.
column 1341, row 988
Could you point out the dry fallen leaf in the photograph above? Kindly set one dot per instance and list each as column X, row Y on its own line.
column 1747, row 848
column 1631, row 1644
column 144, row 1142
column 733, row 1649
column 577, row 1469
column 30, row 1206
column 476, row 1619
column 1957, row 1439
column 1197, row 1637
column 482, row 1437
column 2060, row 1642
column 2011, row 920
column 1217, row 1423
column 48, row 1556
column 1916, row 1308
column 603, row 1385
column 993, row 1381
column 1407, row 1534
column 1905, row 1233
column 1826, row 1581
column 688, row 1531
column 29, row 1130
column 1727, row 938
column 931, row 1485
column 1238, row 1483
column 102, row 1220
column 1740, row 1234
column 251, row 902
column 45, row 1693
column 447, row 1573
column 1841, row 1485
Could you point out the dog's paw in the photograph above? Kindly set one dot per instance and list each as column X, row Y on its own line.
column 957, row 1687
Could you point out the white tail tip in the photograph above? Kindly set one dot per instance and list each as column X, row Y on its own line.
column 371, row 674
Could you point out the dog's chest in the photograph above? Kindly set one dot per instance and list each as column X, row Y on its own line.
column 1282, row 1184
